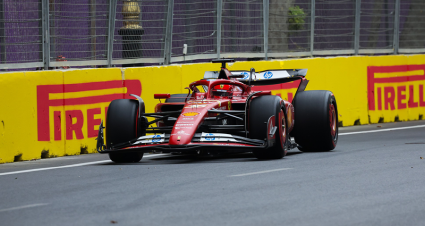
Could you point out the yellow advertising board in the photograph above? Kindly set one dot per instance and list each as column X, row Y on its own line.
column 57, row 113
column 396, row 93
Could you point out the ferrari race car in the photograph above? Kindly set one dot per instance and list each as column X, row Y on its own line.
column 222, row 113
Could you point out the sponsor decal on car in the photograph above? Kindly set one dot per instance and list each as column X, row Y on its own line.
column 195, row 106
column 150, row 139
column 268, row 75
column 205, row 102
column 274, row 74
column 156, row 138
column 209, row 137
column 190, row 114
column 220, row 137
column 182, row 124
column 181, row 132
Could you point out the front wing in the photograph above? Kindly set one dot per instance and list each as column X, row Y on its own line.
column 200, row 141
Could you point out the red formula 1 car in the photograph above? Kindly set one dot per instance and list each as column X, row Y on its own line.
column 222, row 113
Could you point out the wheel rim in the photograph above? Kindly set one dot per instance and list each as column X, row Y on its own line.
column 282, row 125
column 332, row 120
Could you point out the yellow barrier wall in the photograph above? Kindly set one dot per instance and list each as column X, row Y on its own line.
column 57, row 113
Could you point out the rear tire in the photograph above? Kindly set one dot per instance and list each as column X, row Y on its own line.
column 121, row 126
column 261, row 109
column 174, row 98
column 316, row 121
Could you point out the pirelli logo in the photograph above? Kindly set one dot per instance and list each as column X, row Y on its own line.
column 395, row 87
column 77, row 106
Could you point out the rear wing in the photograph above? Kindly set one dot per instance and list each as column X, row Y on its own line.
column 266, row 78
column 271, row 77
column 263, row 78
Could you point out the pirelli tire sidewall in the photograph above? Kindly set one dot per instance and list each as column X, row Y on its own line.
column 121, row 126
column 316, row 120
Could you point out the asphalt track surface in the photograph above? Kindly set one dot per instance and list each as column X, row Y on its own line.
column 373, row 178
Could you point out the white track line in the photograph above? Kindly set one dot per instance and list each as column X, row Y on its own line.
column 260, row 172
column 68, row 166
column 382, row 130
column 24, row 207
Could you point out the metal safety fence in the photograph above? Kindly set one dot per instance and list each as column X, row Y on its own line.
column 48, row 34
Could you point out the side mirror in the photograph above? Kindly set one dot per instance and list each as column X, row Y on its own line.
column 161, row 96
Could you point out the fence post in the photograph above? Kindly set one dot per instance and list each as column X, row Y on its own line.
column 266, row 5
column 169, row 33
column 111, row 30
column 219, row 13
column 45, row 27
column 396, row 26
column 357, row 27
column 312, row 20
column 2, row 35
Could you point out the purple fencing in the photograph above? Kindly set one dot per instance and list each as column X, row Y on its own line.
column 20, row 34
column 140, row 33
column 78, row 29
column 34, row 33
column 194, row 24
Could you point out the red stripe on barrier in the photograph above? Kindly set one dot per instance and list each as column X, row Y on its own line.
column 43, row 101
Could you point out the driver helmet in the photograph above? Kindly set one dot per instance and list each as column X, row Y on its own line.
column 221, row 90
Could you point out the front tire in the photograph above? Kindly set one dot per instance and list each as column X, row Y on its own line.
column 316, row 120
column 121, row 126
column 261, row 109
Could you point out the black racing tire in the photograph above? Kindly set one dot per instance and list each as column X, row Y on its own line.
column 121, row 126
column 316, row 121
column 260, row 110
column 174, row 98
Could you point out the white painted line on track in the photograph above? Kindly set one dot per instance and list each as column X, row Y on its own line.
column 69, row 166
column 24, row 207
column 382, row 130
column 260, row 172
column 154, row 155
